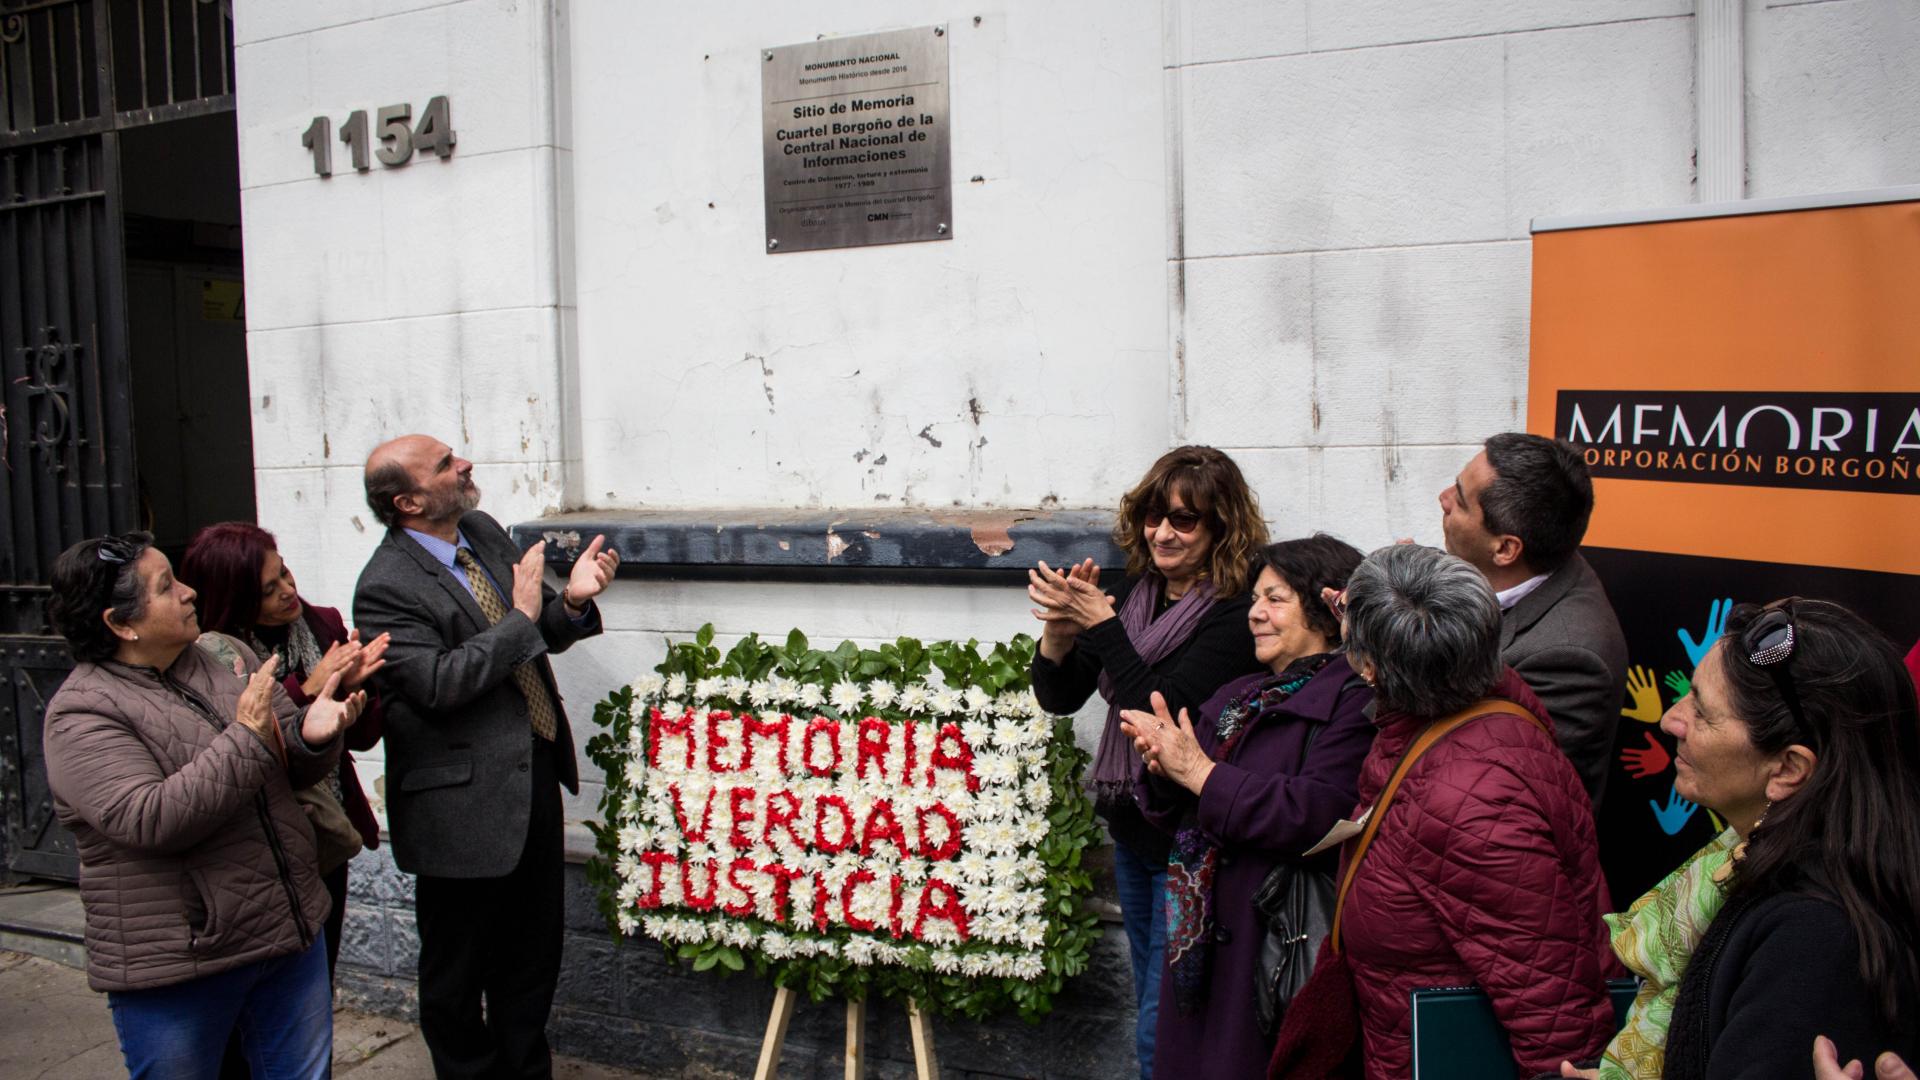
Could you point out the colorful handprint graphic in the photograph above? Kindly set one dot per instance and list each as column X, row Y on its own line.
column 1717, row 613
column 1674, row 816
column 1641, row 763
column 1679, row 683
column 1646, row 706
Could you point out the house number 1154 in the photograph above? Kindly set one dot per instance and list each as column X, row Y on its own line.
column 397, row 136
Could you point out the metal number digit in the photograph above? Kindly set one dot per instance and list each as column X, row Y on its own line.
column 354, row 134
column 393, row 126
column 319, row 139
column 435, row 132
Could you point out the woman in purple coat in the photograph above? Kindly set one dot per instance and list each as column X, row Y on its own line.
column 1242, row 789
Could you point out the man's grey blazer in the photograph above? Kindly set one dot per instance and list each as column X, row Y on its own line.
column 458, row 740
column 1565, row 641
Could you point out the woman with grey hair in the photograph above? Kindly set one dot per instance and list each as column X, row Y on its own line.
column 1482, row 866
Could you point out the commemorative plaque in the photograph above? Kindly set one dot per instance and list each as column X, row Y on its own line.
column 855, row 141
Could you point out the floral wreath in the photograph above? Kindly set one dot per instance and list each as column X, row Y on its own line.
column 905, row 819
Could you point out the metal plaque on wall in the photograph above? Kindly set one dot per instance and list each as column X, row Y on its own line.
column 854, row 133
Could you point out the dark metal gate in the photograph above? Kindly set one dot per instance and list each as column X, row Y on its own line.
column 73, row 73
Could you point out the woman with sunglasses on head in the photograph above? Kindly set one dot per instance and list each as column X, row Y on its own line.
column 176, row 775
column 1801, row 732
column 247, row 592
column 1176, row 626
column 1268, row 766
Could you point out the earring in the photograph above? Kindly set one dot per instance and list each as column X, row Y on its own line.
column 136, row 637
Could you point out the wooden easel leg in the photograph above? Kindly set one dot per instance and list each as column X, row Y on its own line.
column 776, row 1037
column 856, row 1040
column 921, row 1029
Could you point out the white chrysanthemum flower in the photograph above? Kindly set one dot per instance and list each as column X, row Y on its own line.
column 1029, row 967
column 630, row 838
column 760, row 693
column 628, row 893
column 1032, row 869
column 1032, row 831
column 1039, row 792
column 776, row 945
column 636, row 771
column 708, row 688
column 627, row 866
column 738, row 934
column 973, row 866
column 627, row 923
column 944, row 702
column 736, row 688
column 810, row 697
column 648, row 685
column 882, row 693
column 996, row 768
column 858, row 951
column 978, row 734
column 913, row 699
column 973, row 965
column 912, row 870
column 945, row 961
column 676, row 685
column 637, row 741
column 977, row 699
column 846, row 696
column 1010, row 703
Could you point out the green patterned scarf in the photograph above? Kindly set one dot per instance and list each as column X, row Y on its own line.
column 1655, row 938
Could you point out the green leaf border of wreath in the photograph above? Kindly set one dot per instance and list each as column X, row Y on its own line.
column 1071, row 926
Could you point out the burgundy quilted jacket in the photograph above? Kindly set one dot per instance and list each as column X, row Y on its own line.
column 1485, row 871
column 194, row 856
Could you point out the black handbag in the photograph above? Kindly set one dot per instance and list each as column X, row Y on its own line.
column 1296, row 903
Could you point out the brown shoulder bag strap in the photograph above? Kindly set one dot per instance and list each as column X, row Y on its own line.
column 1425, row 741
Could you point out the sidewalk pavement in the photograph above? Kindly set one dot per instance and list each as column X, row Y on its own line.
column 52, row 1026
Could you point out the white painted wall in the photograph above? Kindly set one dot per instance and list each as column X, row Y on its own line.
column 420, row 298
column 716, row 374
column 1295, row 230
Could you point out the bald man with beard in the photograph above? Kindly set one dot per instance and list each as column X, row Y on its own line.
column 478, row 748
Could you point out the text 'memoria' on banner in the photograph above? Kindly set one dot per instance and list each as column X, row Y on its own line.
column 1745, row 381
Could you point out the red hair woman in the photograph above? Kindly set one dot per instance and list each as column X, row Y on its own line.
column 247, row 591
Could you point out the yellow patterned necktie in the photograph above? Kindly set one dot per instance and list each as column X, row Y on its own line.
column 540, row 710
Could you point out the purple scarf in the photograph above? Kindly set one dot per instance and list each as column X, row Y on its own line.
column 1154, row 639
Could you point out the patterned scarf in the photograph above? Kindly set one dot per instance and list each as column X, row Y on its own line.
column 1155, row 640
column 299, row 652
column 1655, row 939
column 1196, row 856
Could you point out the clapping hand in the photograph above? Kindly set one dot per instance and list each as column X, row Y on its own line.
column 528, row 574
column 1072, row 600
column 328, row 716
column 255, row 711
column 1717, row 614
column 1169, row 747
column 591, row 574
column 351, row 660
column 371, row 659
column 1646, row 706
column 1826, row 1064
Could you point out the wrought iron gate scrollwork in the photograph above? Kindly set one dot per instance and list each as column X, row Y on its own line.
column 53, row 419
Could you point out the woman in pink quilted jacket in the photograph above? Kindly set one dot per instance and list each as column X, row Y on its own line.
column 1485, row 869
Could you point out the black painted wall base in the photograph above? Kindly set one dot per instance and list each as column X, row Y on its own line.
column 626, row 1005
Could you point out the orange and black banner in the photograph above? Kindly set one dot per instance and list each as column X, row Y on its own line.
column 1745, row 381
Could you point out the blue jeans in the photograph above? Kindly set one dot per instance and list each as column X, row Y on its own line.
column 283, row 1009
column 1143, row 912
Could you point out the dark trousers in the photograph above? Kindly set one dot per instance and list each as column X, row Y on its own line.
column 497, row 939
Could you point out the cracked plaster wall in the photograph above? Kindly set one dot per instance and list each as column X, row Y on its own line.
column 1023, row 359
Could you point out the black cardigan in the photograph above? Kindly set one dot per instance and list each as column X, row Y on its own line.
column 1785, row 970
column 1219, row 651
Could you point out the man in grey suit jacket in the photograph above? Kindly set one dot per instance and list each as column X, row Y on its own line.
column 1518, row 512
column 477, row 748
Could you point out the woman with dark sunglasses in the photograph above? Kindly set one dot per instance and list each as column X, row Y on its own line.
column 1802, row 733
column 1176, row 626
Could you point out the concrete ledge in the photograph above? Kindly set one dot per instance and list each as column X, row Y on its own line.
column 921, row 546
